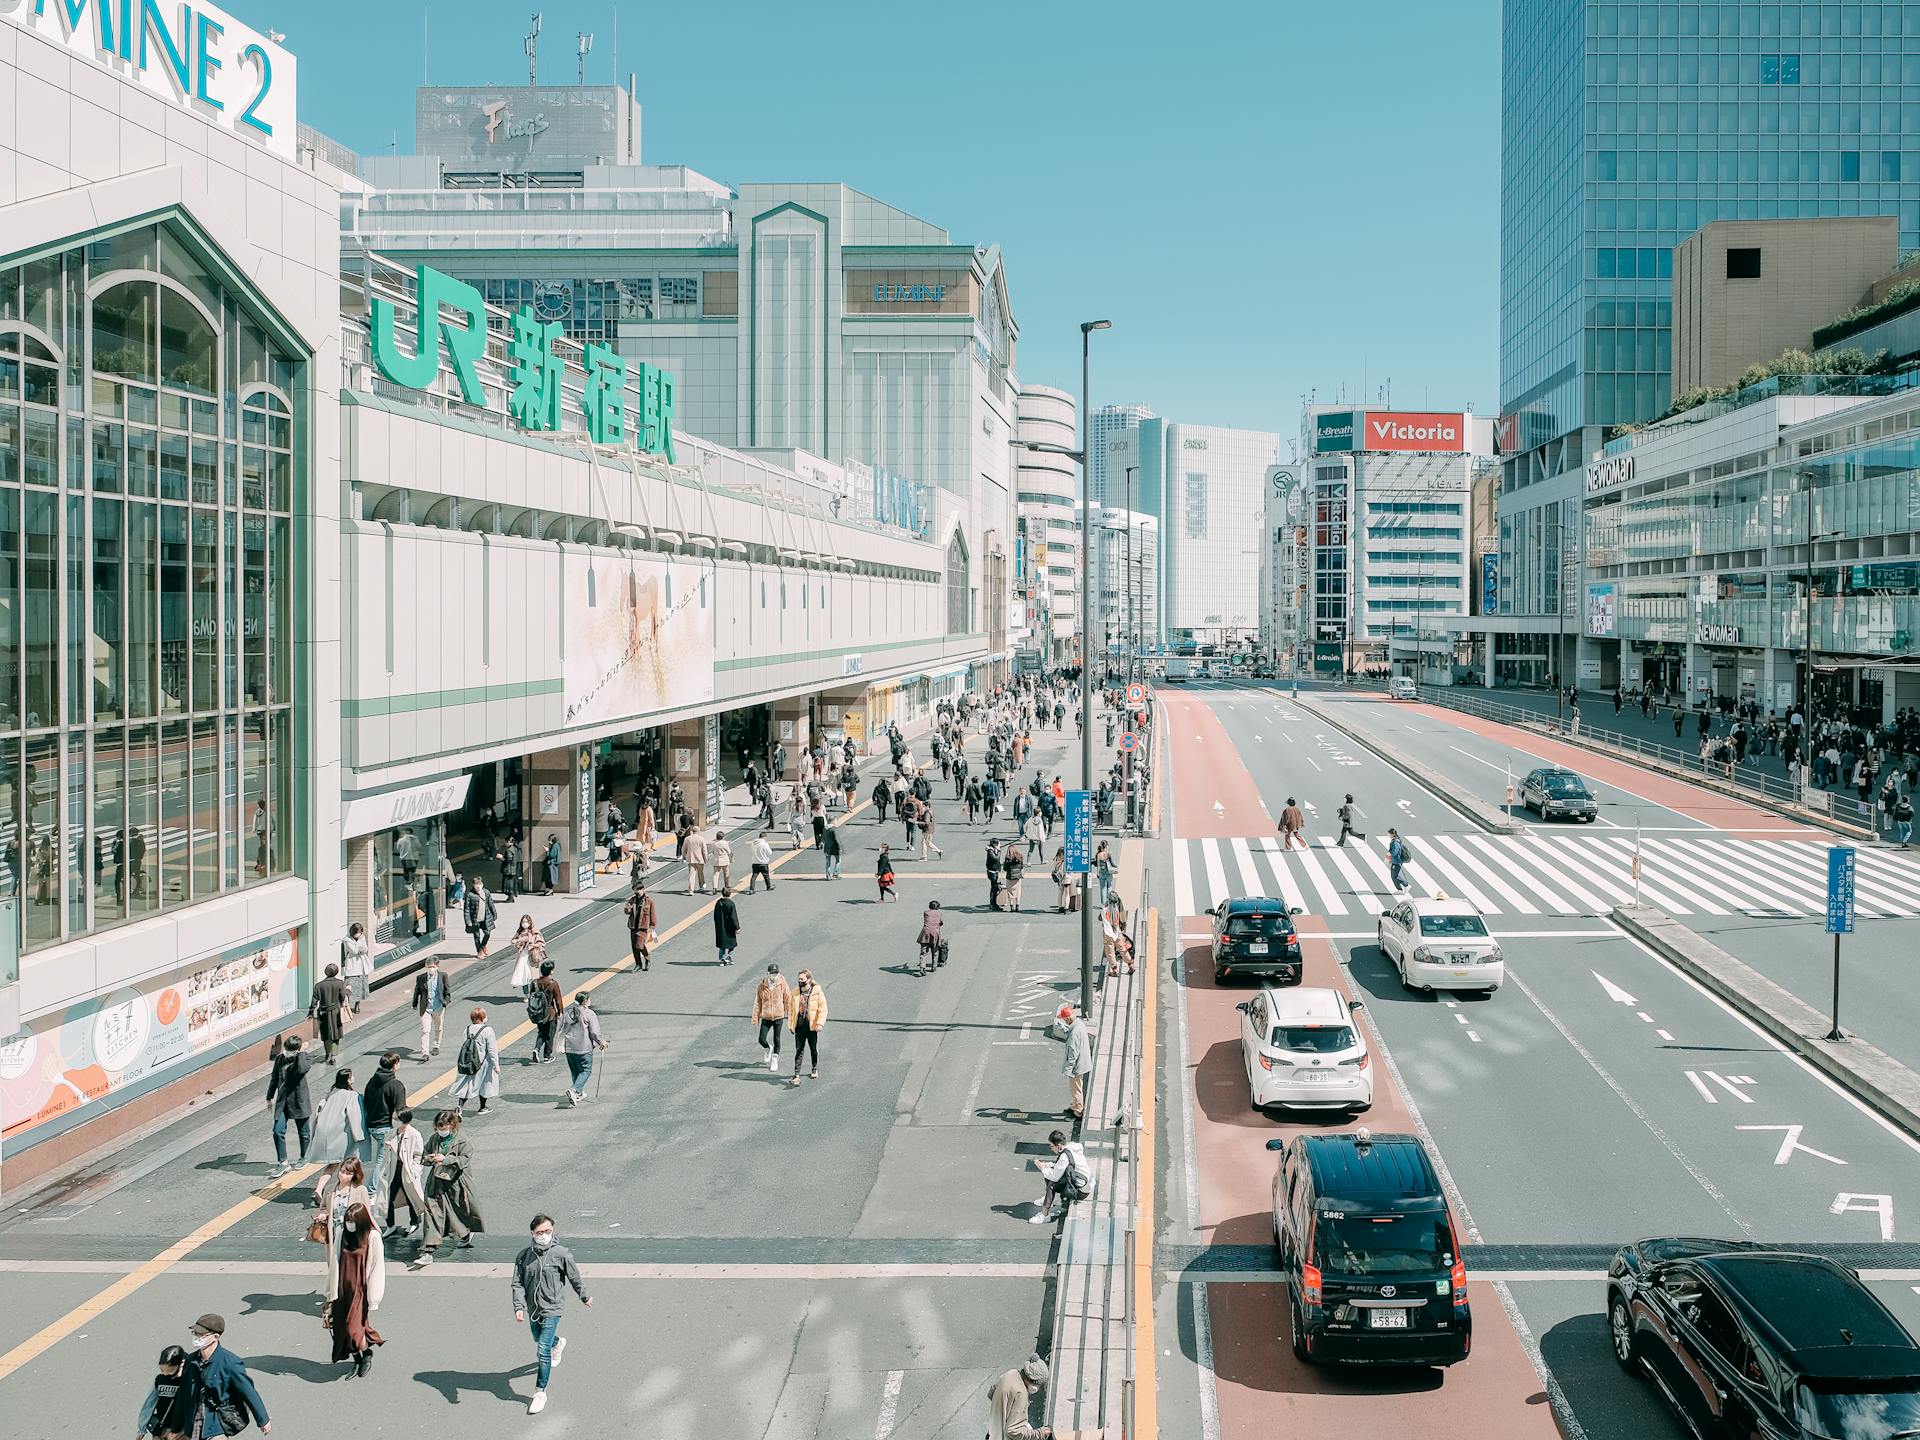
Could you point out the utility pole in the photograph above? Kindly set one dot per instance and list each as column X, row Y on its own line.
column 532, row 46
column 585, row 43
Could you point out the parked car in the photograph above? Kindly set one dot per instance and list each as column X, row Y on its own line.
column 1556, row 794
column 1369, row 1250
column 1745, row 1340
column 1303, row 1051
column 1254, row 936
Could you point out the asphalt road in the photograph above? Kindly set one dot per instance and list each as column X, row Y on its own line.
column 1597, row 1097
column 846, row 1258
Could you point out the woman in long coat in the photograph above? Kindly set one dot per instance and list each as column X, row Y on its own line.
column 340, row 1129
column 484, row 1083
column 451, row 1206
column 356, row 1283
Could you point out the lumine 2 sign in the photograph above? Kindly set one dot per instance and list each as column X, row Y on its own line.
column 536, row 372
column 192, row 55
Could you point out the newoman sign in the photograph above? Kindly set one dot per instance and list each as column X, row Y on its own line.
column 193, row 56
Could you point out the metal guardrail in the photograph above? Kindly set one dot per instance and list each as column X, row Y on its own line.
column 1832, row 805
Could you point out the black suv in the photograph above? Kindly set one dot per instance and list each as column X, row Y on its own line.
column 1255, row 936
column 1555, row 794
column 1744, row 1340
column 1373, row 1265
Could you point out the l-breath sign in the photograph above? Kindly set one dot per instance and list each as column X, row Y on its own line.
column 194, row 56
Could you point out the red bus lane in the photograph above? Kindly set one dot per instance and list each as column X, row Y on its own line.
column 1261, row 1386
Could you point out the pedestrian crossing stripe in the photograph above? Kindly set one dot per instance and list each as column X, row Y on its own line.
column 1586, row 873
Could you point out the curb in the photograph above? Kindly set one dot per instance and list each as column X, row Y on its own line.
column 1865, row 1071
column 1488, row 817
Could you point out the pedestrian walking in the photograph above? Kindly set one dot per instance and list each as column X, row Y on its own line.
column 1035, row 834
column 883, row 873
column 1902, row 813
column 432, row 995
column 726, row 926
column 288, row 1101
column 772, row 1006
column 924, row 814
column 830, row 848
column 408, row 1184
column 451, row 1206
column 996, row 871
column 550, row 864
column 1115, row 944
column 1070, row 1028
column 356, row 1283
column 1103, row 868
column 1010, row 1400
column 480, row 916
column 510, row 871
column 807, row 1013
column 1068, row 895
column 477, row 1066
column 530, row 948
column 229, row 1400
column 1292, row 822
column 384, row 1097
column 541, row 1274
column 1348, row 814
column 796, row 818
column 544, row 1005
column 761, row 856
column 1068, row 1178
column 328, row 1008
column 580, row 1037
column 356, row 963
column 642, row 927
column 720, row 861
column 1397, row 857
column 695, row 854
column 972, row 795
column 1013, row 870
column 340, row 1129
column 172, row 1407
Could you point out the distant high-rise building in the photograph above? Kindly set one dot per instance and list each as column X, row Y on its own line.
column 1107, row 422
column 1050, row 520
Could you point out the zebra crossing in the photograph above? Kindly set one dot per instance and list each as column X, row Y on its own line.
column 1586, row 873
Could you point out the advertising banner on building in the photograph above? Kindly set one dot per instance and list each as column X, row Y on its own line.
column 1490, row 584
column 1415, row 430
column 583, row 803
column 1602, row 604
column 634, row 644
column 76, row 1057
column 1333, row 431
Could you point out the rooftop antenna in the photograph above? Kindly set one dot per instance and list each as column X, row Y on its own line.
column 585, row 43
column 532, row 46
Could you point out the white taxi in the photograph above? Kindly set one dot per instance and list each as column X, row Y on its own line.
column 1440, row 944
column 1303, row 1050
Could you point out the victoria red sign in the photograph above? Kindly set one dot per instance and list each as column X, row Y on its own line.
column 1414, row 430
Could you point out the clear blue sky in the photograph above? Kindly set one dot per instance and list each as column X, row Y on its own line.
column 1265, row 199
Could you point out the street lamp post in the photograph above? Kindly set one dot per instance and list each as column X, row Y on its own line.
column 1088, row 934
column 1133, row 633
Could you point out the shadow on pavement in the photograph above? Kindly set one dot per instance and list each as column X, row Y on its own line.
column 1252, row 1347
column 259, row 1302
column 452, row 1384
column 299, row 1367
column 1606, row 1400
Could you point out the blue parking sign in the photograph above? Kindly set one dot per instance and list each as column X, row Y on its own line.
column 1840, row 863
column 1079, row 838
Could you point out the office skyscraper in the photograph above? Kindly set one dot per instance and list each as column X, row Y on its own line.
column 1106, row 422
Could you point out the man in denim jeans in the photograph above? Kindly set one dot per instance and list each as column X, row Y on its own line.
column 541, row 1274
column 384, row 1096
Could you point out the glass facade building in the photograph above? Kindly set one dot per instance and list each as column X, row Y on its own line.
column 147, row 486
column 1626, row 127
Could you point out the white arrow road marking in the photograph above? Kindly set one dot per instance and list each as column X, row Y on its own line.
column 1614, row 992
column 1730, row 1083
column 1693, row 1078
column 1882, row 1205
column 1790, row 1142
column 889, row 1404
column 1218, row 808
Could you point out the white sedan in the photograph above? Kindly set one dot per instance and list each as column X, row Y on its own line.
column 1440, row 944
column 1302, row 1050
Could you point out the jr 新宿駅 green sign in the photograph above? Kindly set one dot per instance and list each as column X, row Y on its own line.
column 535, row 373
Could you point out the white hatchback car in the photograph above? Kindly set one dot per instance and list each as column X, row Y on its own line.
column 1440, row 944
column 1303, row 1050
column 1402, row 687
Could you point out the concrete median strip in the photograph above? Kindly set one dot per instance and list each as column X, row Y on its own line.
column 1865, row 1071
column 1490, row 818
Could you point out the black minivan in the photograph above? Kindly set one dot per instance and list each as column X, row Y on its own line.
column 1368, row 1246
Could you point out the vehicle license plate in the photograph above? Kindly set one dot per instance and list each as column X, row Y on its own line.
column 1386, row 1319
column 1462, row 957
column 1314, row 1077
column 1258, row 947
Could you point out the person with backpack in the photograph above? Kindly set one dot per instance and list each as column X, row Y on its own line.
column 1348, row 814
column 451, row 1207
column 478, row 1063
column 580, row 1038
column 480, row 916
column 544, row 1004
column 1068, row 1176
column 171, row 1405
column 1397, row 857
column 642, row 926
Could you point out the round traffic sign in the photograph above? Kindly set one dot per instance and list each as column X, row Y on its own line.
column 1136, row 694
column 1127, row 742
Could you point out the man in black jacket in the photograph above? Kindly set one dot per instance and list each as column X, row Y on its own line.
column 287, row 1099
column 384, row 1096
column 432, row 995
column 328, row 1008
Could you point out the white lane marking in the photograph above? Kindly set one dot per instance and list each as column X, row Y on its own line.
column 1644, row 1016
column 1693, row 1077
column 1216, row 872
column 1672, row 877
column 1289, row 890
column 1639, row 1111
column 1473, row 1037
column 1183, row 878
column 1203, row 1358
column 1882, row 1206
column 889, row 1404
column 1732, row 1085
column 1709, row 873
column 1759, row 860
column 1504, row 850
column 980, row 1068
column 1461, row 886
column 1663, row 1035
column 1570, row 1426
column 1315, row 764
column 1321, row 882
column 1356, row 882
column 1790, row 1142
column 1614, row 992
column 1577, row 855
column 1249, row 876
column 1474, row 863
column 1602, row 861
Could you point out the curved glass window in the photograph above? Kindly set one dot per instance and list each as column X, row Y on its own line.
column 123, row 325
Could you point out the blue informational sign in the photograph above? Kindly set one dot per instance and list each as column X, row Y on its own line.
column 1079, row 840
column 1840, row 861
column 1490, row 583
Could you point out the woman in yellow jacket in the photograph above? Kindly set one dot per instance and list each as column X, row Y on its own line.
column 807, row 1009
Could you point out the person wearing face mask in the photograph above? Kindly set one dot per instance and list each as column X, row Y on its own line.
column 541, row 1274
column 356, row 1281
column 451, row 1207
column 229, row 1400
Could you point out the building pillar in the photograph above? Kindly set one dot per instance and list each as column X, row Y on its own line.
column 693, row 759
column 793, row 733
column 560, row 807
column 359, row 881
